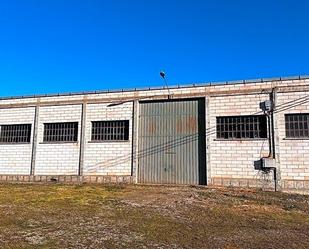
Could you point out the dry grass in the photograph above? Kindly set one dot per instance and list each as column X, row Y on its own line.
column 94, row 216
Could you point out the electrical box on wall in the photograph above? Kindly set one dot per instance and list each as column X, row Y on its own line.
column 266, row 106
column 267, row 162
column 264, row 163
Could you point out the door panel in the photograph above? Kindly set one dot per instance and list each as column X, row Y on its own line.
column 172, row 142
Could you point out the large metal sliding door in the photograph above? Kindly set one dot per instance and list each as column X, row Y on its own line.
column 172, row 142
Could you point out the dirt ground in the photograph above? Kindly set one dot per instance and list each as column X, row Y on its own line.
column 95, row 216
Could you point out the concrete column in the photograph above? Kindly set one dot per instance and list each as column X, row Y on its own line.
column 82, row 138
column 134, row 171
column 276, row 138
column 34, row 139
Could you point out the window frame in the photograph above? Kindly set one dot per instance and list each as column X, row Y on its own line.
column 27, row 135
column 291, row 129
column 57, row 136
column 241, row 128
column 100, row 139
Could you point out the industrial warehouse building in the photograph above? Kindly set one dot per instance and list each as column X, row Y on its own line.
column 244, row 133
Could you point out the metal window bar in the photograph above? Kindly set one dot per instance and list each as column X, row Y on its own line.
column 17, row 133
column 60, row 132
column 242, row 127
column 297, row 125
column 116, row 130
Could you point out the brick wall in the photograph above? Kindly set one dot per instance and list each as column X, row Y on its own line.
column 16, row 158
column 100, row 158
column 111, row 157
column 57, row 158
column 234, row 158
column 294, row 154
column 228, row 162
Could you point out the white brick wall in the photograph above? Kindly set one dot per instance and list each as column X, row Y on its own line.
column 230, row 158
column 16, row 158
column 227, row 159
column 294, row 154
column 58, row 158
column 108, row 158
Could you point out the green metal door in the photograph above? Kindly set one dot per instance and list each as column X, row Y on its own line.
column 172, row 142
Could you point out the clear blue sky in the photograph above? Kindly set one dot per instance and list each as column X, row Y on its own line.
column 62, row 45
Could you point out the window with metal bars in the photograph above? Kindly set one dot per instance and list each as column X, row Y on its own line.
column 16, row 133
column 242, row 127
column 297, row 125
column 117, row 130
column 60, row 132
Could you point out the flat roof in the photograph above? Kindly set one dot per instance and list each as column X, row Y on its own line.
column 249, row 81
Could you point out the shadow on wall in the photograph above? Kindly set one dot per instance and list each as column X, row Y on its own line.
column 143, row 153
column 126, row 159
